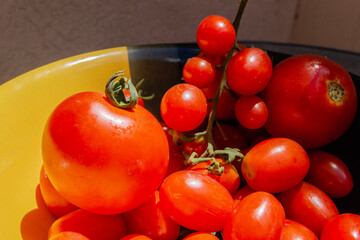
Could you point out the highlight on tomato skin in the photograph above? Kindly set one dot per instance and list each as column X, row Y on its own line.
column 345, row 226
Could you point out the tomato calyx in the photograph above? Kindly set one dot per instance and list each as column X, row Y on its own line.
column 114, row 91
column 336, row 91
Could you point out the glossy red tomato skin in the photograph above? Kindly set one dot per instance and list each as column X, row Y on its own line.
column 201, row 236
column 251, row 111
column 150, row 220
column 275, row 165
column 100, row 157
column 308, row 205
column 299, row 104
column 56, row 204
column 135, row 237
column 195, row 201
column 199, row 71
column 183, row 107
column 91, row 225
column 295, row 231
column 345, row 226
column 215, row 35
column 257, row 216
column 249, row 71
column 329, row 173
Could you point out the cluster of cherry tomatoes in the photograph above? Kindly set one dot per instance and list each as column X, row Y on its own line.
column 130, row 177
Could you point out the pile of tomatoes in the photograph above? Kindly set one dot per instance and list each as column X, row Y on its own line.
column 236, row 157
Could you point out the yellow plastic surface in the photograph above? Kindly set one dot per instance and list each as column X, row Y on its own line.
column 25, row 104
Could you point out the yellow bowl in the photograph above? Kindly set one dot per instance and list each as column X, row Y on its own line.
column 27, row 101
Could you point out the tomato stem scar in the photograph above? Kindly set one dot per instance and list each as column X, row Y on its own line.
column 336, row 91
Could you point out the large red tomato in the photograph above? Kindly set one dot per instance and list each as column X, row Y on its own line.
column 102, row 158
column 310, row 99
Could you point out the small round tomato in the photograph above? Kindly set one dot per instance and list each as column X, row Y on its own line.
column 183, row 107
column 230, row 178
column 329, row 173
column 102, row 158
column 251, row 111
column 296, row 231
column 135, row 237
column 199, row 72
column 149, row 219
column 308, row 205
column 345, row 226
column 215, row 35
column 91, row 225
column 310, row 99
column 275, row 165
column 195, row 201
column 258, row 216
column 68, row 235
column 201, row 236
column 249, row 71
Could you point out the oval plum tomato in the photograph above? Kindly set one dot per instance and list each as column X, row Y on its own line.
column 226, row 135
column 249, row 71
column 296, row 231
column 183, row 107
column 195, row 201
column 91, row 225
column 258, row 216
column 215, row 35
column 251, row 111
column 199, row 72
column 102, row 158
column 150, row 220
column 230, row 178
column 329, row 173
column 136, row 237
column 56, row 204
column 345, row 226
column 310, row 99
column 68, row 236
column 308, row 205
column 275, row 165
column 201, row 236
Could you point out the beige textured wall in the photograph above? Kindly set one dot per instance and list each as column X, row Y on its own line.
column 37, row 32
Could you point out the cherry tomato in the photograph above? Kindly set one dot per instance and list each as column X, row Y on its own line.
column 296, row 231
column 136, row 237
column 251, row 111
column 68, row 236
column 195, row 201
column 258, row 216
column 201, row 236
column 102, row 158
column 275, row 165
column 230, row 178
column 329, row 173
column 150, row 220
column 91, row 225
column 183, row 107
column 56, row 204
column 226, row 135
column 199, row 72
column 308, row 205
column 249, row 71
column 345, row 226
column 310, row 99
column 215, row 35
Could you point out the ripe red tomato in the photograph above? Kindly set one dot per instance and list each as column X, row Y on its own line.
column 195, row 201
column 91, row 225
column 310, row 99
column 275, row 165
column 225, row 106
column 251, row 111
column 296, row 231
column 199, row 71
column 230, row 178
column 150, row 220
column 345, row 226
column 215, row 35
column 329, row 173
column 56, row 204
column 308, row 205
column 68, row 235
column 201, row 236
column 249, row 71
column 183, row 107
column 102, row 158
column 258, row 216
column 135, row 237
